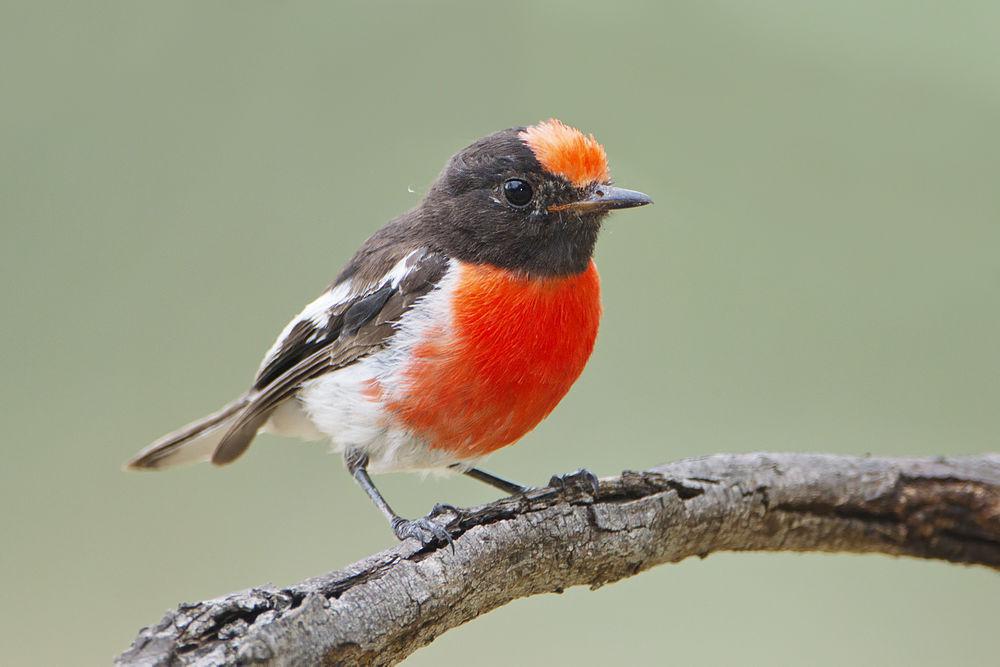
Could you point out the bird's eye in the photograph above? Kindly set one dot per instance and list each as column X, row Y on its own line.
column 517, row 192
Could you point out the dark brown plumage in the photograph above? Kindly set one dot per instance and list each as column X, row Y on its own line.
column 491, row 281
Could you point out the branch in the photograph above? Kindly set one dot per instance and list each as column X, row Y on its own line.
column 381, row 609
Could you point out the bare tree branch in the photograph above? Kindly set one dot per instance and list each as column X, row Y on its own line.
column 384, row 607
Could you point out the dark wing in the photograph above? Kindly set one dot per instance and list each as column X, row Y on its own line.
column 339, row 328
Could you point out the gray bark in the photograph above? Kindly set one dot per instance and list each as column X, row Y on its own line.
column 379, row 610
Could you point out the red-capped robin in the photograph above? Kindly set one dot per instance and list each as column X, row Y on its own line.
column 453, row 331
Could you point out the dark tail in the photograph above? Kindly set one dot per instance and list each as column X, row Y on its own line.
column 194, row 442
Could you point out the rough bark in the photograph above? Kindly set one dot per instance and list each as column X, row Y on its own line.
column 381, row 609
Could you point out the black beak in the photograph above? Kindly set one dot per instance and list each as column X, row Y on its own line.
column 605, row 198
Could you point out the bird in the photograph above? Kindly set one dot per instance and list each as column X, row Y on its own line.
column 453, row 331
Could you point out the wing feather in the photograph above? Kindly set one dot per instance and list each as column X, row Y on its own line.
column 321, row 341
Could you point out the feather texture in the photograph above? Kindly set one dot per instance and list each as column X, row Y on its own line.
column 320, row 343
column 190, row 444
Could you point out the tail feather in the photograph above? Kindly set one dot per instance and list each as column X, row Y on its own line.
column 192, row 443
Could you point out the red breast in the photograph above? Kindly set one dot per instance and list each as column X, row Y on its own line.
column 516, row 346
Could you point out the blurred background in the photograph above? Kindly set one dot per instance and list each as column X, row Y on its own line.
column 821, row 269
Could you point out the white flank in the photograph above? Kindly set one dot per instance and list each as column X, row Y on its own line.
column 338, row 407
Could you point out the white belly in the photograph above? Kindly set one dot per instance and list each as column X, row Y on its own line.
column 337, row 407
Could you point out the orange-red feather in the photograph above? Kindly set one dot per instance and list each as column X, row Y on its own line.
column 516, row 347
column 567, row 152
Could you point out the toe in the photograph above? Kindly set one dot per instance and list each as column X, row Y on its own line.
column 588, row 480
column 582, row 478
column 440, row 533
column 442, row 508
column 425, row 531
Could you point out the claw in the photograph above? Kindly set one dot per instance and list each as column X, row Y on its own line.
column 441, row 508
column 582, row 478
column 425, row 530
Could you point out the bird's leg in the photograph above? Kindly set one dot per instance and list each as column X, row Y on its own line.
column 582, row 478
column 424, row 530
column 512, row 488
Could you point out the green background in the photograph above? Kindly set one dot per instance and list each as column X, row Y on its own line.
column 821, row 272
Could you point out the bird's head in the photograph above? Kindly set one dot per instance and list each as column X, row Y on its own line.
column 527, row 198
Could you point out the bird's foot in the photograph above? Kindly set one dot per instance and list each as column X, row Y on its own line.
column 444, row 508
column 426, row 530
column 582, row 479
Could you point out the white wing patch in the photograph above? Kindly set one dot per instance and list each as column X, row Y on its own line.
column 317, row 313
column 399, row 271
